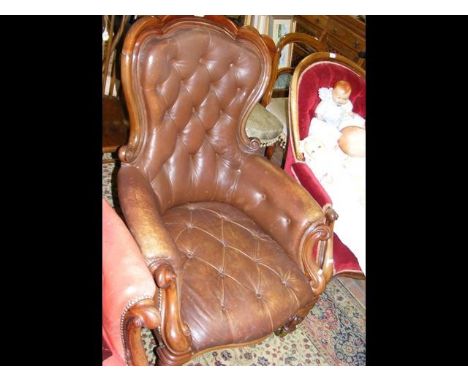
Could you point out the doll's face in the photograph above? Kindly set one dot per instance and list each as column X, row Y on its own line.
column 340, row 96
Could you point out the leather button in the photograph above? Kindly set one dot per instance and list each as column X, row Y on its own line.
column 288, row 220
column 259, row 296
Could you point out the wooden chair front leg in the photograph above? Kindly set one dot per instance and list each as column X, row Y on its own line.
column 142, row 314
column 270, row 150
column 292, row 323
column 176, row 347
column 327, row 262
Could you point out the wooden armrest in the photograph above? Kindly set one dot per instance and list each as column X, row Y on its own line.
column 172, row 333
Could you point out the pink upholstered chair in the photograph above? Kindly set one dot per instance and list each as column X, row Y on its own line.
column 128, row 290
column 318, row 70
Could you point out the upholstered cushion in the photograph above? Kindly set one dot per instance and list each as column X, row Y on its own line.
column 263, row 125
column 195, row 83
column 344, row 260
column 125, row 277
column 279, row 108
column 106, row 351
column 236, row 283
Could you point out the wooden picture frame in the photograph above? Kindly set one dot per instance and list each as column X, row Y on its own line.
column 278, row 27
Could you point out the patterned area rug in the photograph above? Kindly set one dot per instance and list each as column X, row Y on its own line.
column 333, row 333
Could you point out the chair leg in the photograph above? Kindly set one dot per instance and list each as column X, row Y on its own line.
column 142, row 314
column 174, row 335
column 291, row 325
column 270, row 150
column 167, row 358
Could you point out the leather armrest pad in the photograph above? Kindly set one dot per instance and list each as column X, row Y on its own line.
column 142, row 215
column 277, row 203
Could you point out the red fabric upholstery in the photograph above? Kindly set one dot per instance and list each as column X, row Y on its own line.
column 306, row 177
column 108, row 358
column 343, row 258
column 125, row 279
column 326, row 74
column 318, row 75
column 106, row 351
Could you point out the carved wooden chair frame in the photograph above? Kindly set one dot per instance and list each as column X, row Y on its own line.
column 161, row 313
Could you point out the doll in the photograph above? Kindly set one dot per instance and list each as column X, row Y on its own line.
column 335, row 152
column 352, row 141
column 327, row 144
column 335, row 104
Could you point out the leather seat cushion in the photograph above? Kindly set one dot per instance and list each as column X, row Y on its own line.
column 236, row 284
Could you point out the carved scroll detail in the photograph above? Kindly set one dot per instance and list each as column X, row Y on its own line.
column 124, row 154
column 330, row 215
column 254, row 144
column 176, row 347
column 316, row 237
column 142, row 314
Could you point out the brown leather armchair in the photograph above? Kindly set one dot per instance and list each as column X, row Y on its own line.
column 229, row 238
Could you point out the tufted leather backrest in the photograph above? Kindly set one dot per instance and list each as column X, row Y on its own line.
column 190, row 83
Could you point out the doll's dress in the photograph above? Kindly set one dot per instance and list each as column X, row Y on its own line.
column 329, row 111
column 343, row 178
